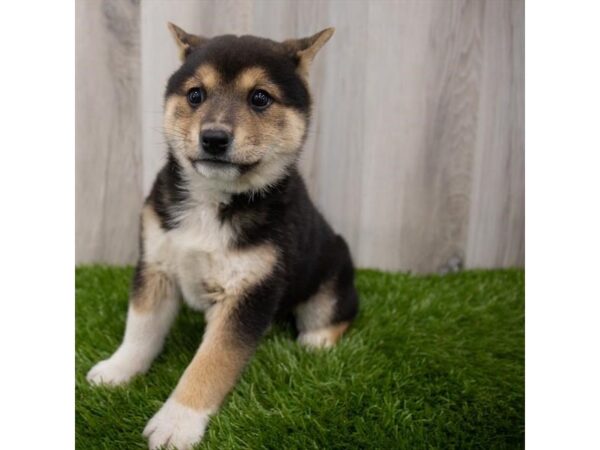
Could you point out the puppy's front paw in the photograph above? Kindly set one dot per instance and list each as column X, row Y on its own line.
column 113, row 371
column 176, row 426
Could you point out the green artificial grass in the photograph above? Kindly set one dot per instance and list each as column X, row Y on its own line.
column 431, row 362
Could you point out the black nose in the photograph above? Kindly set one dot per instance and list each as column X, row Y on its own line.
column 215, row 142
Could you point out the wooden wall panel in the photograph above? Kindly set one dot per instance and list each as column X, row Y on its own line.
column 434, row 219
column 395, row 109
column 108, row 188
column 415, row 153
column 496, row 236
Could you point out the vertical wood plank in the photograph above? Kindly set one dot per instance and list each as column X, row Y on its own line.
column 497, row 217
column 395, row 109
column 437, row 195
column 108, row 131
column 274, row 20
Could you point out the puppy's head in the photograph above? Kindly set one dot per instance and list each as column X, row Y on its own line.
column 237, row 110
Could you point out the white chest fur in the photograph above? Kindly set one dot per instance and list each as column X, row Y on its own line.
column 198, row 254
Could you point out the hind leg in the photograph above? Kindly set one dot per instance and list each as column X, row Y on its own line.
column 325, row 316
column 323, row 319
column 325, row 337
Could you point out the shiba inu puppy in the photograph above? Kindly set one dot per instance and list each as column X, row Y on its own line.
column 229, row 226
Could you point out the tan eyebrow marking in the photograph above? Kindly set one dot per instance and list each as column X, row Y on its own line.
column 256, row 77
column 205, row 75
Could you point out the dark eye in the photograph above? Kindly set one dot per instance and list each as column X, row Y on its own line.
column 260, row 99
column 195, row 96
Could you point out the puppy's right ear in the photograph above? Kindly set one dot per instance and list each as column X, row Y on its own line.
column 187, row 43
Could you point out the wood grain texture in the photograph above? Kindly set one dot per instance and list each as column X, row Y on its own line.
column 434, row 216
column 108, row 131
column 416, row 149
column 395, row 108
column 496, row 236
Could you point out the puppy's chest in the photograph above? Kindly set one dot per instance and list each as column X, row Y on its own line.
column 208, row 269
column 198, row 255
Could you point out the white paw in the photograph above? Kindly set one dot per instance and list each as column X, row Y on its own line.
column 176, row 426
column 113, row 371
column 316, row 339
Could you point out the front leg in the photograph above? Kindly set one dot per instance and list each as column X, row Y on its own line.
column 152, row 309
column 232, row 334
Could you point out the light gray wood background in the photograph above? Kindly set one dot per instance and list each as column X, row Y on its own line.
column 416, row 152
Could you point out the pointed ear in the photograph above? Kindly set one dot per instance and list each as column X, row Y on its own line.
column 186, row 42
column 305, row 49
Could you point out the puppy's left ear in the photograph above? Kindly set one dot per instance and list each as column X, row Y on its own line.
column 186, row 42
column 305, row 49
